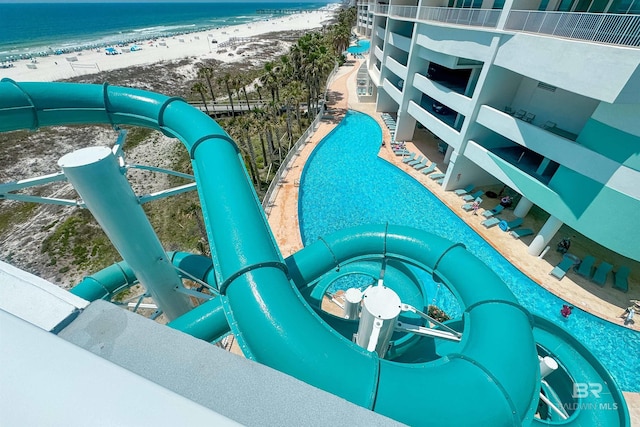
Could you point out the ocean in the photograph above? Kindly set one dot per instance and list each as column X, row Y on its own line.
column 44, row 28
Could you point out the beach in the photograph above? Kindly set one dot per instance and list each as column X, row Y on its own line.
column 225, row 44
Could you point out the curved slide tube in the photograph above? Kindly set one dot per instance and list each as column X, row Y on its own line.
column 265, row 310
column 250, row 270
column 206, row 321
column 598, row 401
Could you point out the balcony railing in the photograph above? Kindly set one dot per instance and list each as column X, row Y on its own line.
column 461, row 16
column 450, row 15
column 597, row 27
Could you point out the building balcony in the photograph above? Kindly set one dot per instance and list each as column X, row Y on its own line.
column 401, row 42
column 380, row 32
column 606, row 28
column 563, row 151
column 396, row 68
column 435, row 125
column 381, row 9
column 442, row 94
column 393, row 91
column 377, row 52
column 374, row 75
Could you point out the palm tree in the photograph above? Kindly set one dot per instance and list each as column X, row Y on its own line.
column 295, row 92
column 199, row 88
column 207, row 74
column 259, row 119
column 226, row 80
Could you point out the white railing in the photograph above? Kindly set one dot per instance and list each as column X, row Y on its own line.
column 282, row 171
column 381, row 9
column 598, row 27
column 451, row 15
column 404, row 11
column 461, row 16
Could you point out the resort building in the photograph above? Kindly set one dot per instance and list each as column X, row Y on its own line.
column 540, row 96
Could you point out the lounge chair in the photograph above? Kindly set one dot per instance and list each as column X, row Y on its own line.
column 491, row 222
column 529, row 117
column 495, row 211
column 423, row 164
column 411, row 157
column 416, row 161
column 520, row 114
column 510, row 225
column 470, row 197
column 561, row 269
column 521, row 232
column 430, row 169
column 401, row 152
column 584, row 269
column 468, row 189
column 469, row 205
column 440, row 181
column 600, row 276
column 436, row 176
column 621, row 279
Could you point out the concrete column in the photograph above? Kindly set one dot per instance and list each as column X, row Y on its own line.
column 447, row 155
column 405, row 127
column 508, row 5
column 95, row 174
column 546, row 233
column 523, row 207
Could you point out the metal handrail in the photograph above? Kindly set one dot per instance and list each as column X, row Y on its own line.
column 460, row 16
column 609, row 28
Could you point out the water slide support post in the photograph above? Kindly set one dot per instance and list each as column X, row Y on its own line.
column 95, row 174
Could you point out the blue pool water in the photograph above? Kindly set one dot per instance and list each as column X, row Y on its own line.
column 361, row 47
column 345, row 184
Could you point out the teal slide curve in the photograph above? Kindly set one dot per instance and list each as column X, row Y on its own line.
column 473, row 383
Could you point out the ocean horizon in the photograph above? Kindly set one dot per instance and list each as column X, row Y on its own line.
column 36, row 29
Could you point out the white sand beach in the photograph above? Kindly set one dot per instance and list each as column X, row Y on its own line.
column 199, row 45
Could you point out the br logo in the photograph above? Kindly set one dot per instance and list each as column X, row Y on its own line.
column 582, row 390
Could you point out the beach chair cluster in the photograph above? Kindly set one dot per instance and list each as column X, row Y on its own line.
column 420, row 163
column 599, row 275
column 472, row 195
column 390, row 123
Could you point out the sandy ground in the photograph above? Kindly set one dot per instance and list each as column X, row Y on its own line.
column 59, row 67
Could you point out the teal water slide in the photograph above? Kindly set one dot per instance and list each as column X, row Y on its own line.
column 491, row 377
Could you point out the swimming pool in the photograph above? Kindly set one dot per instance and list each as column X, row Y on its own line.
column 344, row 184
column 361, row 47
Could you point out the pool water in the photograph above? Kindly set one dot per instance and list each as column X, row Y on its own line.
column 361, row 47
column 345, row 184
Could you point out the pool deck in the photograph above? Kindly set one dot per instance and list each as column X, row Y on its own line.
column 603, row 302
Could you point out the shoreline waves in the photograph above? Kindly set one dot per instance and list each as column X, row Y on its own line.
column 51, row 29
column 216, row 43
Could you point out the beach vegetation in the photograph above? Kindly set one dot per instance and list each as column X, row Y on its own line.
column 282, row 95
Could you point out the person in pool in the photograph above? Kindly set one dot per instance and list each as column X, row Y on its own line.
column 565, row 311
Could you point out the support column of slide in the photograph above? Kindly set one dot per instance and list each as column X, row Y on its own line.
column 546, row 233
column 523, row 207
column 95, row 174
